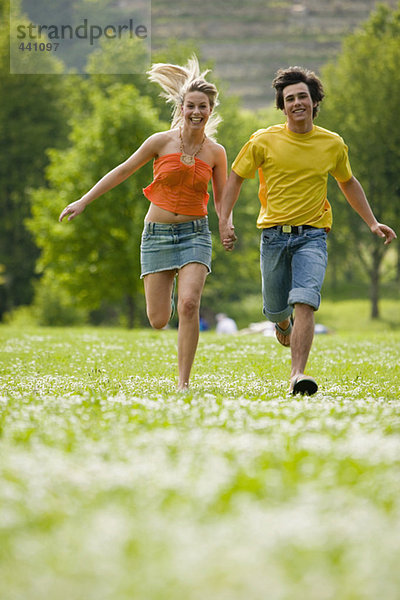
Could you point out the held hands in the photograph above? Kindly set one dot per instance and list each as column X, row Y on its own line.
column 73, row 210
column 227, row 235
column 383, row 231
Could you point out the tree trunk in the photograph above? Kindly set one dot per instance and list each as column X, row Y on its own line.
column 398, row 264
column 130, row 311
column 374, row 281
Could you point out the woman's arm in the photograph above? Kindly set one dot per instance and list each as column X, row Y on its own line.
column 148, row 150
column 219, row 177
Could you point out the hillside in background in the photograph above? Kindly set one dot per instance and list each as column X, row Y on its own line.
column 248, row 41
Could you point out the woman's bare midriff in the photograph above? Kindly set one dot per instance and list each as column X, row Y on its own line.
column 160, row 215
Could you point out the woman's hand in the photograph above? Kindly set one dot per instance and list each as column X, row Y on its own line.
column 227, row 234
column 73, row 210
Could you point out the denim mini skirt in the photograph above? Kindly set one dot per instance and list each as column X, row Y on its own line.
column 169, row 246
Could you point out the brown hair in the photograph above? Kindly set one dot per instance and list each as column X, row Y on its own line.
column 292, row 75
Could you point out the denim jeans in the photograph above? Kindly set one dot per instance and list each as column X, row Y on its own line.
column 293, row 269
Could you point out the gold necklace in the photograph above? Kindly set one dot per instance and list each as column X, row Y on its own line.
column 188, row 159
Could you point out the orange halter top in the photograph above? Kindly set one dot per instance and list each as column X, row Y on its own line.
column 179, row 188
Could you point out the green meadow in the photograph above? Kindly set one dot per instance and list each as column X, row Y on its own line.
column 115, row 486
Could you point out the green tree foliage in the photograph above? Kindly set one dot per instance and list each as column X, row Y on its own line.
column 96, row 257
column 31, row 114
column 363, row 90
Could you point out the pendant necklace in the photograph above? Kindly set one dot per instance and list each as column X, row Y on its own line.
column 188, row 159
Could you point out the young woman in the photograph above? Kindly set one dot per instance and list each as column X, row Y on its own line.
column 176, row 239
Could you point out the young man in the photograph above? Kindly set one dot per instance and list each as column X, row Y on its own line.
column 293, row 161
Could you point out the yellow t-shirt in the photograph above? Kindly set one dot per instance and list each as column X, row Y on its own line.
column 293, row 171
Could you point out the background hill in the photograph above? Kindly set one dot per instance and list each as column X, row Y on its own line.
column 250, row 40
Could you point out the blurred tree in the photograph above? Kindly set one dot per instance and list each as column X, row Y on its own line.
column 96, row 257
column 363, row 90
column 31, row 114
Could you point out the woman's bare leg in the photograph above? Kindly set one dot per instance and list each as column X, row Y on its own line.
column 191, row 279
column 158, row 290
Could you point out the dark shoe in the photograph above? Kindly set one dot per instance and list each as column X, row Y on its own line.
column 304, row 385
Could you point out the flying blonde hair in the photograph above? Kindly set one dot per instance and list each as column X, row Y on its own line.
column 177, row 81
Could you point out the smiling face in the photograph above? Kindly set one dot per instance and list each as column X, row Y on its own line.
column 196, row 109
column 298, row 107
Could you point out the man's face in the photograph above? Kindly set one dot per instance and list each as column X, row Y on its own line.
column 298, row 107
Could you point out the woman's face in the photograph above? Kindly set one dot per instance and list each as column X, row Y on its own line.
column 196, row 109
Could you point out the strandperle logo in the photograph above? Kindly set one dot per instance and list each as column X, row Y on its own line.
column 60, row 37
column 84, row 31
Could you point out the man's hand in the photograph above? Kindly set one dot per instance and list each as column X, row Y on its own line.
column 383, row 231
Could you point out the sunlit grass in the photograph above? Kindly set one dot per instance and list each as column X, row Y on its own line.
column 115, row 486
column 340, row 316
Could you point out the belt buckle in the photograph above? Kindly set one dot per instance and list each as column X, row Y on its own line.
column 287, row 228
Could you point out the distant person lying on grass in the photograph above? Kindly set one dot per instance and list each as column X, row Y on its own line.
column 293, row 162
column 176, row 239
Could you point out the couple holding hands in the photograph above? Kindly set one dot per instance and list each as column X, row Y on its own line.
column 293, row 161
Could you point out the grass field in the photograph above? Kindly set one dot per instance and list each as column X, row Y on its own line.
column 114, row 486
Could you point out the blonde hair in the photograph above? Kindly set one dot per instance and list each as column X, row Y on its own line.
column 177, row 81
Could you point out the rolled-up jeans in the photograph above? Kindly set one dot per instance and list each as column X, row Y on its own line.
column 293, row 268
